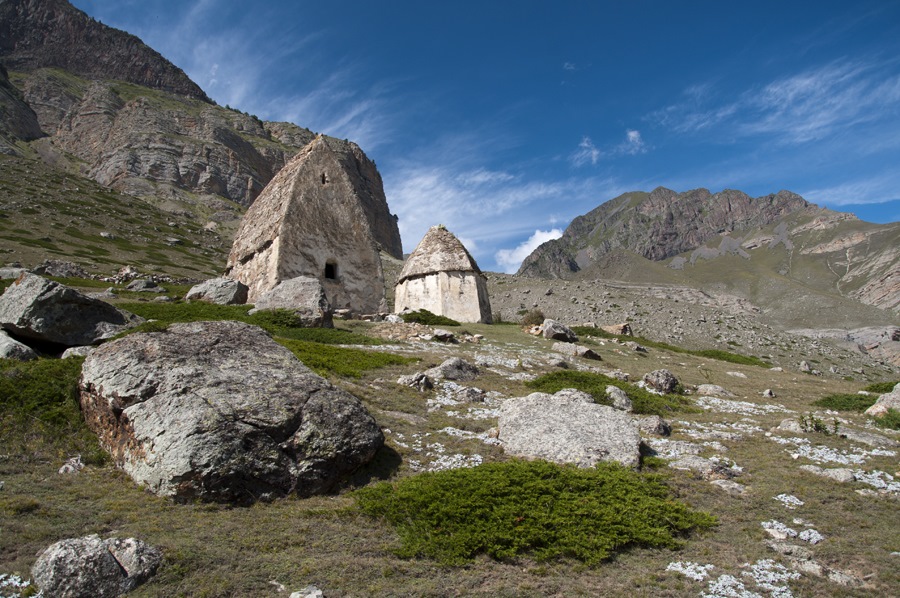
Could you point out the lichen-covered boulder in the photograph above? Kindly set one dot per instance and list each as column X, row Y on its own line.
column 662, row 381
column 221, row 291
column 36, row 308
column 558, row 331
column 889, row 400
column 89, row 567
column 305, row 296
column 454, row 368
column 221, row 412
column 10, row 348
column 567, row 427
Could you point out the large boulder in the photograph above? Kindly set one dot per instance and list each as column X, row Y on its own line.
column 221, row 412
column 567, row 427
column 454, row 368
column 89, row 567
column 305, row 296
column 40, row 309
column 221, row 291
column 557, row 331
column 889, row 400
column 662, row 381
column 10, row 348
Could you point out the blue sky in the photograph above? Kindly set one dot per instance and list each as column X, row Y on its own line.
column 505, row 120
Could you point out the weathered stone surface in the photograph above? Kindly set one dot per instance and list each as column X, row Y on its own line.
column 420, row 381
column 312, row 220
column 618, row 329
column 40, row 309
column 143, row 285
column 558, row 331
column 654, row 424
column 576, row 351
column 10, row 348
column 567, row 427
column 662, row 381
column 303, row 295
column 444, row 336
column 7, row 273
column 713, row 390
column 441, row 276
column 220, row 412
column 89, row 567
column 705, row 468
column 455, row 368
column 221, row 291
column 838, row 474
column 889, row 400
column 619, row 399
column 60, row 268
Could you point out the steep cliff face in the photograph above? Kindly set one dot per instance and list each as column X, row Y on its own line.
column 17, row 120
column 53, row 33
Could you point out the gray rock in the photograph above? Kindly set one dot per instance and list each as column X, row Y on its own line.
column 455, row 369
column 393, row 319
column 143, row 285
column 10, row 348
column 838, row 474
column 790, row 425
column 869, row 438
column 89, row 567
column 889, row 400
column 557, row 331
column 662, row 381
column 567, row 427
column 444, row 336
column 420, row 381
column 77, row 352
column 635, row 347
column 7, row 273
column 730, row 486
column 706, row 468
column 308, row 592
column 713, row 390
column 305, row 296
column 805, row 367
column 60, row 269
column 34, row 307
column 768, row 393
column 219, row 411
column 654, row 424
column 619, row 399
column 221, row 291
column 576, row 351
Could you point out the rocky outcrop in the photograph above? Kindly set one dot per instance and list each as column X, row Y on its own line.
column 311, row 220
column 17, row 120
column 89, row 566
column 53, row 33
column 662, row 381
column 567, row 427
column 558, row 331
column 442, row 277
column 220, row 412
column 40, row 309
column 304, row 296
column 885, row 402
column 221, row 291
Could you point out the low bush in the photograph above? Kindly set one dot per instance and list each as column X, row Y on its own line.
column 423, row 316
column 535, row 317
column 881, row 387
column 595, row 385
column 532, row 508
column 340, row 361
column 890, row 420
column 846, row 402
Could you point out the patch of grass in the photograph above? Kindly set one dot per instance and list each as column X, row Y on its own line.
column 532, row 508
column 595, row 385
column 881, row 387
column 423, row 316
column 890, row 420
column 340, row 361
column 846, row 402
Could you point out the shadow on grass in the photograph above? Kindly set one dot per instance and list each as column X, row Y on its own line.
column 383, row 467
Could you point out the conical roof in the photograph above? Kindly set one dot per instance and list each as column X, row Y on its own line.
column 438, row 251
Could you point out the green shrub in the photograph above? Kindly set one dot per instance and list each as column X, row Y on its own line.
column 423, row 316
column 530, row 508
column 595, row 385
column 535, row 317
column 846, row 402
column 890, row 420
column 881, row 387
column 811, row 423
column 341, row 361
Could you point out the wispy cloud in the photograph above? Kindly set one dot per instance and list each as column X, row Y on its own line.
column 800, row 108
column 871, row 190
column 633, row 144
column 509, row 260
column 569, row 66
column 587, row 153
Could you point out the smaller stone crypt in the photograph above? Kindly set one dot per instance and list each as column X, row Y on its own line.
column 442, row 277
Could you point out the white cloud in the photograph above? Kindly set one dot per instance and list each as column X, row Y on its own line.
column 865, row 191
column 568, row 66
column 634, row 144
column 586, row 152
column 510, row 259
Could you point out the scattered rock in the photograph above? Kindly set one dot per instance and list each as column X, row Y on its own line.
column 838, row 474
column 889, row 400
column 708, row 469
column 443, row 336
column 7, row 273
column 393, row 319
column 219, row 411
column 308, row 592
column 768, row 393
column 10, row 348
column 455, row 369
column 576, row 351
column 737, row 374
column 36, row 308
column 60, row 269
column 662, row 381
column 144, row 285
column 618, row 329
column 713, row 390
column 654, row 424
column 221, row 291
column 82, row 351
column 89, row 566
column 790, row 425
column 557, row 331
column 805, row 367
column 619, row 399
column 730, row 486
column 635, row 347
column 304, row 295
column 72, row 465
column 420, row 381
column 567, row 427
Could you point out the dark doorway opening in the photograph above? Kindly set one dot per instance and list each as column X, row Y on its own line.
column 331, row 272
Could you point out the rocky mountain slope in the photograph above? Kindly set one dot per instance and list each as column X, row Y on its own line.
column 135, row 123
column 779, row 252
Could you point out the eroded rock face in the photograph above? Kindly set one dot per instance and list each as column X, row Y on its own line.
column 568, row 427
column 37, row 308
column 441, row 276
column 95, row 568
column 311, row 220
column 220, row 412
column 221, row 291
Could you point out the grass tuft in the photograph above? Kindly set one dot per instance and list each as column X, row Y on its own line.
column 890, row 420
column 532, row 508
column 595, row 385
column 881, row 387
column 340, row 361
column 846, row 402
